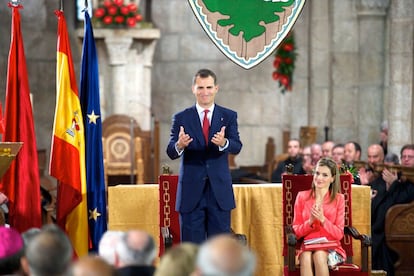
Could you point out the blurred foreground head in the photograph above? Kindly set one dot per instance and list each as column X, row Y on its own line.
column 49, row 252
column 225, row 256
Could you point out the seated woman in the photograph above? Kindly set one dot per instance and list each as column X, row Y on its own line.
column 319, row 213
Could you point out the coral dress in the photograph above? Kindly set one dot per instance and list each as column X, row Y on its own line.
column 332, row 229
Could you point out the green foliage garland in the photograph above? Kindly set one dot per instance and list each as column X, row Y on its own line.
column 284, row 63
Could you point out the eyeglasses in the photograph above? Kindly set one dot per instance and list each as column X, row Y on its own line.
column 407, row 156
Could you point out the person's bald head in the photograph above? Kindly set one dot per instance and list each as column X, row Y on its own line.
column 136, row 247
column 375, row 154
column 224, row 255
column 92, row 266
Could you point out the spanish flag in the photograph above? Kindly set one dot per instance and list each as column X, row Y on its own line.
column 67, row 161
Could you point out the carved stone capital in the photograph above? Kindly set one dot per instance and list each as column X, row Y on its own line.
column 118, row 48
column 372, row 7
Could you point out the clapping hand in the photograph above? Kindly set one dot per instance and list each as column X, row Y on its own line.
column 183, row 139
column 317, row 213
column 218, row 138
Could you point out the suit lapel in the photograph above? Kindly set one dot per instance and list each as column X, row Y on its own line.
column 196, row 125
column 216, row 121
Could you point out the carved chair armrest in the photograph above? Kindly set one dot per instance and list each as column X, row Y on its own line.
column 366, row 242
column 292, row 241
column 352, row 231
column 168, row 238
column 290, row 236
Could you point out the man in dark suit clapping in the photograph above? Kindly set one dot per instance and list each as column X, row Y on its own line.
column 203, row 135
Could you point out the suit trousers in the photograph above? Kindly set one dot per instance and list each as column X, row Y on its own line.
column 206, row 220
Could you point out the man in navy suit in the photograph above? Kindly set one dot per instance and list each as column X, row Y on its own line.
column 205, row 194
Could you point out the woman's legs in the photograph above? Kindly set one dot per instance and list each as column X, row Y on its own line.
column 320, row 261
column 305, row 260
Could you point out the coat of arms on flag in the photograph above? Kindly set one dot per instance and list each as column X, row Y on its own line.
column 247, row 31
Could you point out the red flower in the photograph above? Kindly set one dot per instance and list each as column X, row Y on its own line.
column 288, row 47
column 275, row 75
column 119, row 19
column 107, row 20
column 112, row 10
column 99, row 12
column 132, row 7
column 138, row 18
column 284, row 80
column 119, row 2
column 131, row 22
column 276, row 62
column 124, row 10
column 107, row 3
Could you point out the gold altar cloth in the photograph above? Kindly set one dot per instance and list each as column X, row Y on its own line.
column 258, row 215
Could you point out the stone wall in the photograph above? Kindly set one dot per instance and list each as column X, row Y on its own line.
column 353, row 71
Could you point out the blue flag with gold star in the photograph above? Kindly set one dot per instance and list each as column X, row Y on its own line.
column 89, row 98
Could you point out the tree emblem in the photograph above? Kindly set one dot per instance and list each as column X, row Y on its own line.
column 247, row 31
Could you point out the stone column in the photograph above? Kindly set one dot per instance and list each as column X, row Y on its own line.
column 400, row 115
column 118, row 48
column 371, row 64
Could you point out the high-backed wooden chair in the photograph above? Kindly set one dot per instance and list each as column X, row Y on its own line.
column 122, row 148
column 399, row 233
column 292, row 184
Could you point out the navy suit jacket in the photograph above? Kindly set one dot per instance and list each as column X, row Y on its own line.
column 200, row 161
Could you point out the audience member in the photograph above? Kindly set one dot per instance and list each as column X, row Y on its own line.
column 107, row 245
column 307, row 160
column 92, row 266
column 3, row 208
column 388, row 190
column 294, row 159
column 11, row 251
column 391, row 159
column 384, row 137
column 178, row 260
column 316, row 151
column 327, row 147
column 353, row 153
column 338, row 154
column 225, row 256
column 319, row 212
column 375, row 154
column 48, row 253
column 29, row 234
column 135, row 254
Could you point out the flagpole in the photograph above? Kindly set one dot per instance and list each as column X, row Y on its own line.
column 61, row 5
column 132, row 146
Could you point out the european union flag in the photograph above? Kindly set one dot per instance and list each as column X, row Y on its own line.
column 89, row 98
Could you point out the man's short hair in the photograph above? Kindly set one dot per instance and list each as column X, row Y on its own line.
column 49, row 252
column 205, row 73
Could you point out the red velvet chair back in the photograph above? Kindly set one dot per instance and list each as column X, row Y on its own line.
column 169, row 218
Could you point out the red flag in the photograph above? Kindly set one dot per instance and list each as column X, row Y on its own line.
column 1, row 119
column 21, row 182
column 67, row 158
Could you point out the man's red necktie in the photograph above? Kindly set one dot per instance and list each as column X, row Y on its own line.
column 206, row 126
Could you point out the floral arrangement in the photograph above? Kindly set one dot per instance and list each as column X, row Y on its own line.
column 284, row 63
column 116, row 13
